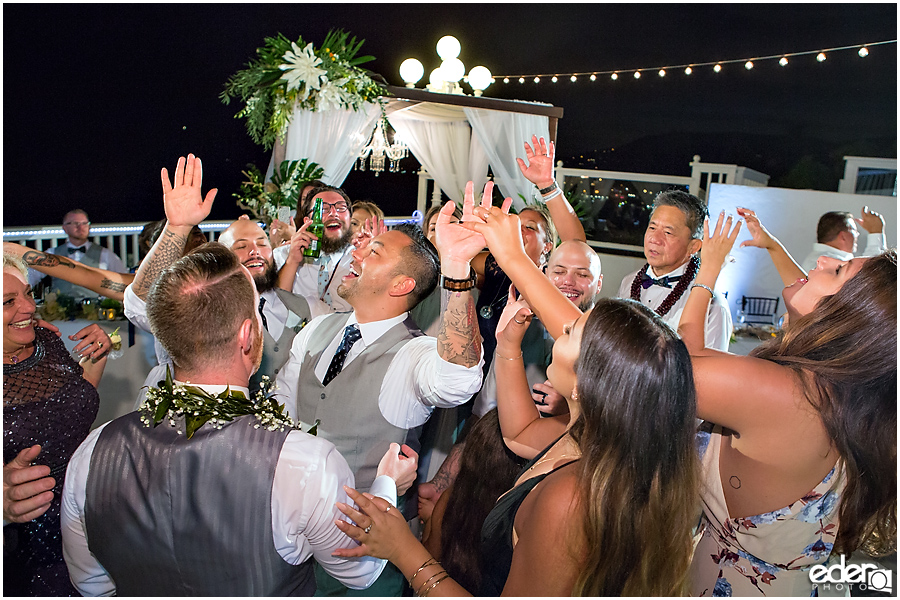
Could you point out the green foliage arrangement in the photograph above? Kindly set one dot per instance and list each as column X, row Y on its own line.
column 263, row 198
column 288, row 74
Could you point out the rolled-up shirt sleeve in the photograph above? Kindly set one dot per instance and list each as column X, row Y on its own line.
column 309, row 480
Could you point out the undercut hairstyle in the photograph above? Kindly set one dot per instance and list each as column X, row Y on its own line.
column 831, row 224
column 844, row 353
column 197, row 305
column 307, row 203
column 639, row 466
column 695, row 211
column 420, row 261
column 371, row 207
column 11, row 261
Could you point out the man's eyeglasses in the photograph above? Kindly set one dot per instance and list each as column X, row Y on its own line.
column 338, row 207
column 79, row 223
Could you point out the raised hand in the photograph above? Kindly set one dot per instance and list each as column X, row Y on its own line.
column 760, row 236
column 281, row 232
column 300, row 241
column 871, row 221
column 717, row 246
column 183, row 201
column 458, row 244
column 26, row 488
column 539, row 169
column 502, row 232
column 369, row 230
column 513, row 322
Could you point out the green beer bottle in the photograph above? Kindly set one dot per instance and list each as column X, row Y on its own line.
column 317, row 228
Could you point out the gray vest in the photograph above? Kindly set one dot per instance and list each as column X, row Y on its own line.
column 276, row 352
column 348, row 408
column 168, row 516
column 91, row 258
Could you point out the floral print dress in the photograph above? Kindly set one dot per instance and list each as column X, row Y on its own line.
column 763, row 555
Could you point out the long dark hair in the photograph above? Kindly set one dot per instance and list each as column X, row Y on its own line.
column 638, row 477
column 487, row 469
column 845, row 355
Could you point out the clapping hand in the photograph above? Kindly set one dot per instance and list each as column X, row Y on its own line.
column 184, row 204
column 539, row 169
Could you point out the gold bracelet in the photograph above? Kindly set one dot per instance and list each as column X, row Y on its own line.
column 438, row 574
column 705, row 287
column 428, row 591
column 428, row 563
column 497, row 354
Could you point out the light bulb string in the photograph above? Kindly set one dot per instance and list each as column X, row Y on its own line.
column 699, row 64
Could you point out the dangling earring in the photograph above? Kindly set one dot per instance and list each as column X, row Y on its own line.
column 574, row 394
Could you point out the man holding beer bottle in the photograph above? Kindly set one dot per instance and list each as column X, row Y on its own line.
column 319, row 253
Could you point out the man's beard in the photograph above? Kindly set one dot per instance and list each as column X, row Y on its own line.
column 587, row 303
column 266, row 280
column 331, row 245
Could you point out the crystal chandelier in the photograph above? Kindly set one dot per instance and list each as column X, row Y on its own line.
column 378, row 148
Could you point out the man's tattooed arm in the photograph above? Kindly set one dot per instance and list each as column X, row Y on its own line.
column 115, row 286
column 37, row 259
column 168, row 249
column 459, row 340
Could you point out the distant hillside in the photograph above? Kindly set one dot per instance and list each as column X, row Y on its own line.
column 789, row 162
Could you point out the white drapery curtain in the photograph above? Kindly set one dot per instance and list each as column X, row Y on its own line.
column 502, row 135
column 331, row 138
column 442, row 141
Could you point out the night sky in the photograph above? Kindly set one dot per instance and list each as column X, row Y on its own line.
column 97, row 98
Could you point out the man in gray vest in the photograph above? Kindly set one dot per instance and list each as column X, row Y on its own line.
column 77, row 247
column 283, row 313
column 370, row 376
column 239, row 506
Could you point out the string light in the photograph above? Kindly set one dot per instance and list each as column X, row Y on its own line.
column 821, row 54
column 521, row 80
column 537, row 79
column 573, row 79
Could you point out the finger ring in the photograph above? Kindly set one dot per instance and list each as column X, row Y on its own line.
column 518, row 321
column 99, row 344
column 388, row 509
column 368, row 529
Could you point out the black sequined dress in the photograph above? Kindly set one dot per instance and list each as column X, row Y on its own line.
column 46, row 401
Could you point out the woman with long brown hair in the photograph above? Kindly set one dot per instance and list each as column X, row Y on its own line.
column 802, row 462
column 607, row 507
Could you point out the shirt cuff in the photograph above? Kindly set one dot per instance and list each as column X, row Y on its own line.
column 384, row 487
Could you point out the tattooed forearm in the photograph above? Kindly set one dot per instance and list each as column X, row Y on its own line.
column 446, row 474
column 109, row 284
column 42, row 260
column 459, row 341
column 168, row 249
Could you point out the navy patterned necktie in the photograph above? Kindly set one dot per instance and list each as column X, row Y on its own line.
column 351, row 336
column 262, row 302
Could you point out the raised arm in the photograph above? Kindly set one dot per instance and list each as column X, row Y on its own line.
column 300, row 241
column 539, row 171
column 185, row 207
column 504, row 238
column 103, row 282
column 524, row 431
column 459, row 340
column 787, row 267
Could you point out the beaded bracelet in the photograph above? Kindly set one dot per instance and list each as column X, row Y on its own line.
column 546, row 199
column 434, row 585
column 459, row 285
column 428, row 563
column 705, row 287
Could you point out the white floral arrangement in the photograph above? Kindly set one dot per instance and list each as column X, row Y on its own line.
column 289, row 74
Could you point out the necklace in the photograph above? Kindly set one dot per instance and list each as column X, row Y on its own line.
column 14, row 356
column 676, row 294
column 197, row 407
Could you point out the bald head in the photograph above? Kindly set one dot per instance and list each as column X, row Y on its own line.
column 574, row 268
column 251, row 244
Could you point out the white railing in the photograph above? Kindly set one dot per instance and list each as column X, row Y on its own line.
column 872, row 176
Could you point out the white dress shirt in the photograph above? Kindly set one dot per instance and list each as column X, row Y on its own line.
column 308, row 482
column 875, row 244
column 417, row 380
column 719, row 324
column 318, row 281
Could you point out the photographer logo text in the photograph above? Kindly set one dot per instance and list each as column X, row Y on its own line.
column 842, row 576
